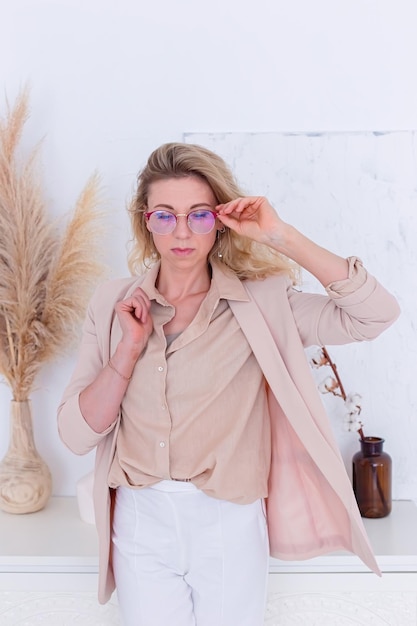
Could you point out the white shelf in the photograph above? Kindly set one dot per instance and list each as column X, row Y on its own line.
column 57, row 540
column 393, row 539
column 54, row 539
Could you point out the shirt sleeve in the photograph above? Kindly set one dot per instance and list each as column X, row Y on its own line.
column 357, row 308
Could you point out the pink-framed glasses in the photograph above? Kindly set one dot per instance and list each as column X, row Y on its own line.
column 200, row 221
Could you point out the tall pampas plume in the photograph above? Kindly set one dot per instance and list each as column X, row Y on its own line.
column 47, row 272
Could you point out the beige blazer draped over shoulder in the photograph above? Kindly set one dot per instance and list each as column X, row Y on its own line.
column 311, row 508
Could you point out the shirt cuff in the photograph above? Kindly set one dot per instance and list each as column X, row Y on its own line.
column 357, row 276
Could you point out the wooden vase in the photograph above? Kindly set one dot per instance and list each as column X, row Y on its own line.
column 25, row 479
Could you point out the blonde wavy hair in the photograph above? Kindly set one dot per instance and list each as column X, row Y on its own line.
column 246, row 258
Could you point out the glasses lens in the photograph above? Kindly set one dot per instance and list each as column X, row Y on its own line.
column 162, row 222
column 201, row 222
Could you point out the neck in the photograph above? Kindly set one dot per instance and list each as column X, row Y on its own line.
column 175, row 283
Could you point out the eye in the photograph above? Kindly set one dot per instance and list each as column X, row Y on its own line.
column 201, row 214
column 163, row 216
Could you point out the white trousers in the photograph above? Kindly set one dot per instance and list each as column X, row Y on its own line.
column 182, row 558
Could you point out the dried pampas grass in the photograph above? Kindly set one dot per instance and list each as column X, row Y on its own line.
column 46, row 277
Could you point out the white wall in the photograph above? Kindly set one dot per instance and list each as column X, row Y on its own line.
column 112, row 79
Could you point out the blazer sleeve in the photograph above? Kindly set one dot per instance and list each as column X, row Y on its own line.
column 358, row 308
column 93, row 353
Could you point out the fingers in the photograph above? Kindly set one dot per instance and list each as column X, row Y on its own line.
column 243, row 214
column 142, row 304
column 247, row 208
column 232, row 205
column 138, row 304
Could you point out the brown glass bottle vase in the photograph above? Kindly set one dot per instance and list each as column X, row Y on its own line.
column 372, row 478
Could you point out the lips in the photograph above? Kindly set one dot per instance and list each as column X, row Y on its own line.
column 182, row 251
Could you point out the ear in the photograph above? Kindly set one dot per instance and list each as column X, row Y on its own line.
column 147, row 221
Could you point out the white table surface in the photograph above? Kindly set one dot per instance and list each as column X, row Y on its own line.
column 56, row 539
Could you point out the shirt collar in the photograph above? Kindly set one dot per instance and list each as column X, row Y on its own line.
column 148, row 283
column 227, row 284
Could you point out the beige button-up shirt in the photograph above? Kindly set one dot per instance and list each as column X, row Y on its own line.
column 196, row 408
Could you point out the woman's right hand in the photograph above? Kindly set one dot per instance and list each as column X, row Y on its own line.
column 100, row 401
column 135, row 320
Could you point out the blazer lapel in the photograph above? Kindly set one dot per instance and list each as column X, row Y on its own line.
column 285, row 391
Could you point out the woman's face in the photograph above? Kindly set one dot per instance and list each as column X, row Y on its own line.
column 179, row 196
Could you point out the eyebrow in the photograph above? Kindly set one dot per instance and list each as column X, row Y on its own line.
column 194, row 206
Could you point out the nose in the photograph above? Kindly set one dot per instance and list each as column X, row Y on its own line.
column 181, row 227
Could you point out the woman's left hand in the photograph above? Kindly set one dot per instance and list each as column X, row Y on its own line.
column 252, row 217
column 255, row 218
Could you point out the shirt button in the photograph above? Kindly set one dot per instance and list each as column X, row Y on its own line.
column 160, row 368
column 162, row 444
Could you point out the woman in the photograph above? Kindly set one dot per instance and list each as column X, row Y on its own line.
column 193, row 386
